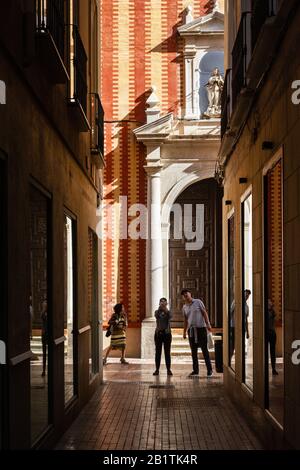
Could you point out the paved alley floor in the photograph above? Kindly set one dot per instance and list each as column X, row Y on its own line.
column 133, row 410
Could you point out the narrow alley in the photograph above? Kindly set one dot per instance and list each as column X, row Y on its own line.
column 149, row 218
column 133, row 410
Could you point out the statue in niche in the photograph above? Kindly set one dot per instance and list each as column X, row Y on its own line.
column 214, row 88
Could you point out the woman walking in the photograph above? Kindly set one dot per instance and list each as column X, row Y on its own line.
column 118, row 325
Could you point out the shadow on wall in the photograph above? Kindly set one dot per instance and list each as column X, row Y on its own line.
column 209, row 6
column 122, row 159
column 173, row 44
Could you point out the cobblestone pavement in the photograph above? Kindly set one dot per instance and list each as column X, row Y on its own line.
column 133, row 410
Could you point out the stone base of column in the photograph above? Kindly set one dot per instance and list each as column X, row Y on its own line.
column 147, row 338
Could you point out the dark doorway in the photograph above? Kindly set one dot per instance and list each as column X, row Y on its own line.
column 197, row 269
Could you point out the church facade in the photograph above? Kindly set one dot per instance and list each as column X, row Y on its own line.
column 162, row 135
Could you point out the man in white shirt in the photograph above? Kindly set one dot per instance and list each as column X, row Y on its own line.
column 196, row 323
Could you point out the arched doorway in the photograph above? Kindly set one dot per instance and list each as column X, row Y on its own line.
column 198, row 269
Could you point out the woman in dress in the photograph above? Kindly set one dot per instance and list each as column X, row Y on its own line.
column 118, row 325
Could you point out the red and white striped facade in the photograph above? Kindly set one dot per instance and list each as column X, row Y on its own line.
column 140, row 48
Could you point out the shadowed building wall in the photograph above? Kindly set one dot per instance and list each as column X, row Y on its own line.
column 140, row 48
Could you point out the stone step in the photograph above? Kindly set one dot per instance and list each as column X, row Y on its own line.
column 179, row 339
column 185, row 353
column 180, row 344
column 37, row 348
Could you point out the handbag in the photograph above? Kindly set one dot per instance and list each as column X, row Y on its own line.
column 210, row 341
column 108, row 332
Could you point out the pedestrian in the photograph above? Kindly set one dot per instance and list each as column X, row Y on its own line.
column 163, row 335
column 118, row 324
column 196, row 324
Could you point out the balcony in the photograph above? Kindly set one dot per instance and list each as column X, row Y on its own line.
column 236, row 96
column 241, row 54
column 51, row 17
column 262, row 10
column 78, row 79
column 269, row 19
column 226, row 103
column 257, row 41
column 97, row 131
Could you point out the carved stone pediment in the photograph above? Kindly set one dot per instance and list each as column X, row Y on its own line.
column 168, row 129
column 212, row 24
column 157, row 130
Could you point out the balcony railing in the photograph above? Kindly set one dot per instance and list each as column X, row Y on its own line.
column 241, row 54
column 226, row 103
column 97, row 124
column 51, row 18
column 261, row 11
column 78, row 59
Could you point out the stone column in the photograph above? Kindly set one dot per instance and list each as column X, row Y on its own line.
column 189, row 66
column 154, row 262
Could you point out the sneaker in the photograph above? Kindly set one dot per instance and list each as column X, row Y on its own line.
column 193, row 373
column 169, row 372
column 123, row 361
column 104, row 361
column 210, row 373
column 156, row 372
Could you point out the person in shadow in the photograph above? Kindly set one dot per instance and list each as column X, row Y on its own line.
column 163, row 335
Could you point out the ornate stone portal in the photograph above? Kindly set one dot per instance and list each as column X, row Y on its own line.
column 214, row 88
column 181, row 150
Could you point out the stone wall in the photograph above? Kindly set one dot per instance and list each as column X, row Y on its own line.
column 273, row 118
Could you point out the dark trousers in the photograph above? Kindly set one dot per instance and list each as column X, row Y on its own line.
column 202, row 343
column 162, row 338
column 272, row 341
